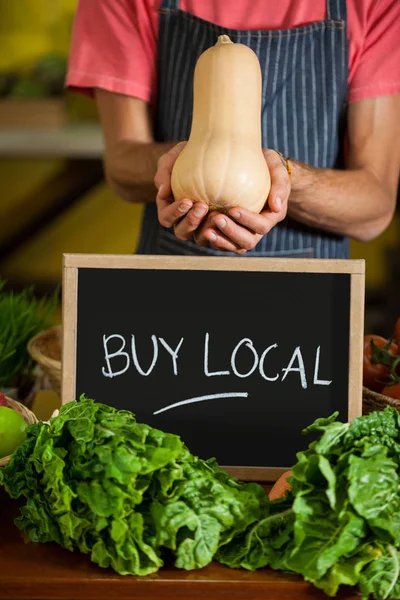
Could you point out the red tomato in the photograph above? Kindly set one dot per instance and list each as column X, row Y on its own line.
column 393, row 391
column 397, row 331
column 279, row 488
column 375, row 375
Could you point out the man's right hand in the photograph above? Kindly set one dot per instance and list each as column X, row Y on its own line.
column 184, row 215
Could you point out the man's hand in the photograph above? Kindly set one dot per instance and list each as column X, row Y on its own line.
column 241, row 230
column 183, row 215
column 238, row 231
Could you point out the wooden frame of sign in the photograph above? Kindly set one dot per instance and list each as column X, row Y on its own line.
column 72, row 263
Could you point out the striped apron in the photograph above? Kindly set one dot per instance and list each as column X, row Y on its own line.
column 304, row 95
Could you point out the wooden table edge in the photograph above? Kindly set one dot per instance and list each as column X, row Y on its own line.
column 155, row 589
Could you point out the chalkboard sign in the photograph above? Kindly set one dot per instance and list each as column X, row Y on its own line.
column 235, row 355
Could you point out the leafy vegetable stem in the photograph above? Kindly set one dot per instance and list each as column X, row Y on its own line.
column 394, row 555
column 278, row 517
column 101, row 428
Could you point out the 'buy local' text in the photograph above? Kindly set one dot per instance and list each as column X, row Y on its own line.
column 115, row 347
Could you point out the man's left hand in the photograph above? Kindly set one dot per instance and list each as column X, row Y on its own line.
column 241, row 230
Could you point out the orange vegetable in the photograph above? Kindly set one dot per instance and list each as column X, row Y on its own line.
column 376, row 374
column 223, row 163
column 278, row 490
column 393, row 391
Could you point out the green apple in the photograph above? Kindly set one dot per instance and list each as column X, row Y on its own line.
column 12, row 430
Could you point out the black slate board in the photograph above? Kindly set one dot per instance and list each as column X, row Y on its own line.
column 241, row 420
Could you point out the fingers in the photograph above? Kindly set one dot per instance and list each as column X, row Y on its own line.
column 257, row 223
column 162, row 179
column 224, row 244
column 184, row 215
column 169, row 212
column 218, row 241
column 202, row 233
column 210, row 233
column 260, row 224
column 240, row 230
column 239, row 236
column 280, row 180
column 185, row 228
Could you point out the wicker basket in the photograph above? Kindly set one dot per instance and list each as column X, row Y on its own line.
column 28, row 417
column 374, row 401
column 45, row 349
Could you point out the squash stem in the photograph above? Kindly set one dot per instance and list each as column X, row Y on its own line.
column 224, row 39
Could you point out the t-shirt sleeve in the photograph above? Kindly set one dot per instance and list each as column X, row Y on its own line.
column 114, row 47
column 376, row 71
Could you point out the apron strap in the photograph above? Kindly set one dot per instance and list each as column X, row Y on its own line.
column 169, row 4
column 336, row 10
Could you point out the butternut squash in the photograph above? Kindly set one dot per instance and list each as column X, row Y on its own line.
column 222, row 164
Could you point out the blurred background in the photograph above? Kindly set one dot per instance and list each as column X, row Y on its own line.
column 53, row 196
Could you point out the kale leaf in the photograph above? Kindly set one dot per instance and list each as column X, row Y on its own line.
column 97, row 481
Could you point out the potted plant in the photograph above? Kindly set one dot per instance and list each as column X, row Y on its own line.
column 22, row 315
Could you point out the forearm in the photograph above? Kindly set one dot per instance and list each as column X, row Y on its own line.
column 353, row 203
column 130, row 169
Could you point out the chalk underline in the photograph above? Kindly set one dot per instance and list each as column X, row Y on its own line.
column 202, row 399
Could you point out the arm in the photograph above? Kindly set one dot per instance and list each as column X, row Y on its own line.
column 131, row 155
column 360, row 201
column 132, row 159
column 135, row 165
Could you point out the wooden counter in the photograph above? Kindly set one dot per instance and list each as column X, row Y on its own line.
column 45, row 571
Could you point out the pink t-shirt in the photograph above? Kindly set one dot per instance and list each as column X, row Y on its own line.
column 114, row 43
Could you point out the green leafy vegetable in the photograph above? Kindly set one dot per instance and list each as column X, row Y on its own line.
column 381, row 577
column 340, row 523
column 22, row 316
column 97, row 481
